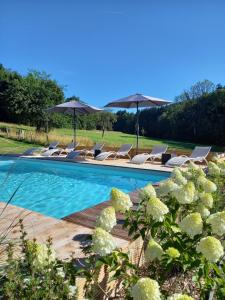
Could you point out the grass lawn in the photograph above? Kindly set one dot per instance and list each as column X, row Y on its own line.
column 111, row 138
column 8, row 146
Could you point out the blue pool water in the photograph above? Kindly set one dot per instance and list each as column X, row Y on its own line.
column 58, row 189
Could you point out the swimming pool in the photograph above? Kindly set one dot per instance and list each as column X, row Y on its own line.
column 58, row 189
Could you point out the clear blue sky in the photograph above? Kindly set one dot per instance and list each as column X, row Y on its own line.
column 106, row 49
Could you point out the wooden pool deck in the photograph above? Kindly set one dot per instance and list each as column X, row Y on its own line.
column 88, row 217
column 68, row 238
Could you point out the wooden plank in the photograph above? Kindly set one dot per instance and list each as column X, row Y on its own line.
column 88, row 217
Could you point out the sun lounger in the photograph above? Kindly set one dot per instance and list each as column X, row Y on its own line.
column 199, row 154
column 50, row 152
column 70, row 147
column 156, row 152
column 39, row 150
column 92, row 151
column 123, row 151
column 73, row 154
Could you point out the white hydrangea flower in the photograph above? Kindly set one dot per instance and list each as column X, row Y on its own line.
column 204, row 212
column 187, row 174
column 185, row 194
column 153, row 251
column 147, row 192
column 207, row 185
column 193, row 166
column 103, row 242
column 211, row 248
column 180, row 297
column 213, row 169
column 221, row 164
column 178, row 178
column 107, row 219
column 60, row 272
column 72, row 291
column 192, row 224
column 167, row 186
column 157, row 209
column 195, row 170
column 42, row 256
column 217, row 222
column 172, row 252
column 146, row 289
column 120, row 200
column 206, row 199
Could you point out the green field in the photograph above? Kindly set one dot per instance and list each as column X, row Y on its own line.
column 11, row 146
column 111, row 139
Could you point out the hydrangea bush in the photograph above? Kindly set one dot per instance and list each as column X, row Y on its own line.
column 182, row 225
column 36, row 273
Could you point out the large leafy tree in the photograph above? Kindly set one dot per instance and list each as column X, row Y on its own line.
column 23, row 99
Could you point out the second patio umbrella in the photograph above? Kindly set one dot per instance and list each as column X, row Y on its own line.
column 74, row 108
column 137, row 101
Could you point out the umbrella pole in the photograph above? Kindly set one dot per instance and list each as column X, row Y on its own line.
column 74, row 127
column 137, row 128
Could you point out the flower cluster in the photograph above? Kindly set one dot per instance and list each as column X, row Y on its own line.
column 192, row 224
column 185, row 194
column 166, row 187
column 153, row 251
column 217, row 222
column 204, row 212
column 156, row 209
column 221, row 164
column 120, row 201
column 211, row 248
column 178, row 177
column 207, row 185
column 172, row 252
column 206, row 199
column 146, row 289
column 103, row 242
column 213, row 169
column 42, row 255
column 107, row 219
column 147, row 192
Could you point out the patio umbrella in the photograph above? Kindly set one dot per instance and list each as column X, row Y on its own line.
column 74, row 108
column 137, row 101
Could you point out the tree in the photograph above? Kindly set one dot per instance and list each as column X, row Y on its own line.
column 197, row 90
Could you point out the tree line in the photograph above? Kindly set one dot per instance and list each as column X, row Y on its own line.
column 197, row 115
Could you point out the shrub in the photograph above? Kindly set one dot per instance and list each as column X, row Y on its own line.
column 182, row 227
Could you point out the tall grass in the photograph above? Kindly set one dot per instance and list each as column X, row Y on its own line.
column 41, row 138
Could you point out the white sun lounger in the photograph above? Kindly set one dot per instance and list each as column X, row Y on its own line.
column 69, row 148
column 50, row 152
column 156, row 152
column 199, row 154
column 123, row 151
column 92, row 151
column 37, row 150
column 74, row 154
column 84, row 152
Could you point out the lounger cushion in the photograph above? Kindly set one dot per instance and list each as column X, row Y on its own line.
column 177, row 161
column 140, row 158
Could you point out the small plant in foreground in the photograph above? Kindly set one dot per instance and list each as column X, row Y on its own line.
column 35, row 273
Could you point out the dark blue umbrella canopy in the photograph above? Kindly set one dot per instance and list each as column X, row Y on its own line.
column 137, row 101
column 71, row 106
column 141, row 100
column 74, row 108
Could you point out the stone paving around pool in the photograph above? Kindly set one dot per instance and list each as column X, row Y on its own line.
column 157, row 166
